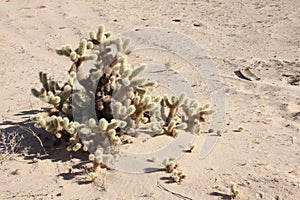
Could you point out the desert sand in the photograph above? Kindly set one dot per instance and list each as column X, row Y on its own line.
column 263, row 159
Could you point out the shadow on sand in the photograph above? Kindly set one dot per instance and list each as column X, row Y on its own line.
column 38, row 143
column 221, row 195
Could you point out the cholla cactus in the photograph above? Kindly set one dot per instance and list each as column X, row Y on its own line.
column 171, row 166
column 178, row 175
column 123, row 100
column 234, row 191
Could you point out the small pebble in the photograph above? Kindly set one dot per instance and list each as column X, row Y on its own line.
column 240, row 129
column 197, row 24
column 259, row 195
column 153, row 159
column 16, row 172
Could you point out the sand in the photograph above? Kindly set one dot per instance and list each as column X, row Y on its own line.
column 263, row 159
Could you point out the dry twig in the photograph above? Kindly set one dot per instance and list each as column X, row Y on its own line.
column 174, row 193
column 29, row 130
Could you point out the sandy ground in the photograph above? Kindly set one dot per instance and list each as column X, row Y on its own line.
column 263, row 160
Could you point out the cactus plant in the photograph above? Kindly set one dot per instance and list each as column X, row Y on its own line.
column 122, row 100
column 171, row 166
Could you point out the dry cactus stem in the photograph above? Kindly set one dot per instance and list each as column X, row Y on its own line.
column 178, row 175
column 122, row 100
column 234, row 191
column 171, row 166
column 191, row 148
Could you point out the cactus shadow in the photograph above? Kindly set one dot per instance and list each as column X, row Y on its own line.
column 167, row 179
column 26, row 113
column 221, row 195
column 29, row 143
column 70, row 176
column 38, row 143
column 153, row 170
